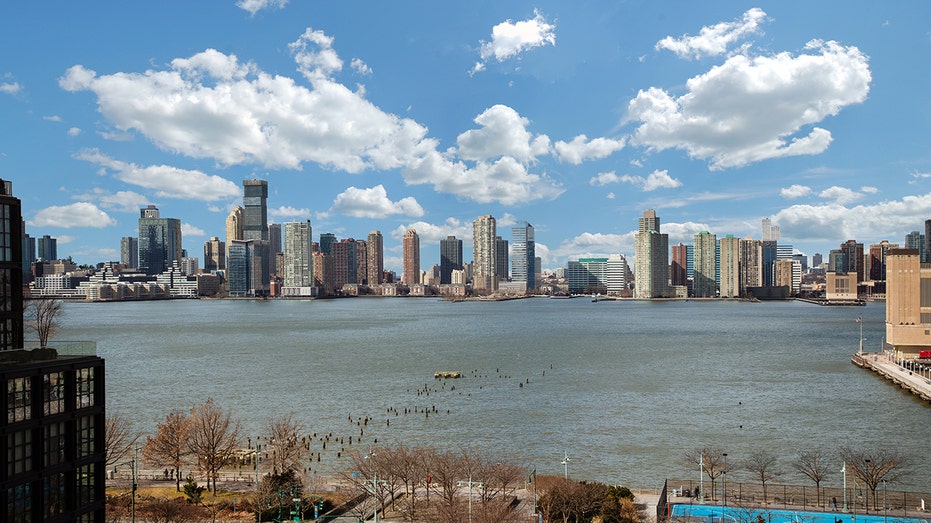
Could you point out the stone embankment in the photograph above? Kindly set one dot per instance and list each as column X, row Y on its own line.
column 918, row 382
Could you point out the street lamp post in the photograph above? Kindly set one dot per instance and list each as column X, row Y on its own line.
column 884, row 502
column 470, row 484
column 565, row 462
column 869, row 475
column 724, row 480
column 844, row 471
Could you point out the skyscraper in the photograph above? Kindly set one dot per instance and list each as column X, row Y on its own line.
column 501, row 259
column 927, row 247
column 731, row 283
column 678, row 271
column 159, row 241
column 524, row 256
column 327, row 239
column 450, row 258
column 214, row 255
column 376, row 258
column 854, row 252
column 234, row 225
column 411, row 250
column 129, row 251
column 47, row 248
column 703, row 285
column 344, row 262
column 298, row 261
column 274, row 245
column 247, row 268
column 916, row 240
column 255, row 212
column 11, row 269
column 770, row 232
column 484, row 251
column 652, row 264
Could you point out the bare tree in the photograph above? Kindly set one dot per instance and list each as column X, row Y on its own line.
column 42, row 316
column 169, row 447
column 763, row 465
column 170, row 510
column 213, row 440
column 119, row 439
column 288, row 451
column 813, row 464
column 711, row 461
column 873, row 466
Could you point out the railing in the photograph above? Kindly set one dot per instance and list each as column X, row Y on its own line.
column 893, row 502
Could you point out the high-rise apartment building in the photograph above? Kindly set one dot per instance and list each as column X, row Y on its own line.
column 29, row 253
column 324, row 273
column 652, row 265
column 47, row 248
column 129, row 251
column 159, row 241
column 345, row 264
column 450, row 258
column 598, row 275
column 854, row 252
column 927, row 242
column 751, row 263
column 788, row 273
column 704, row 281
column 501, row 259
column 485, row 256
column 678, row 270
column 234, row 225
column 52, row 407
column 768, row 253
column 731, row 284
column 876, row 261
column 362, row 262
column 410, row 246
column 524, row 256
column 375, row 270
column 214, row 254
column 298, row 260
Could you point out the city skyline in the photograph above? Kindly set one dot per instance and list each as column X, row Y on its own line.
column 572, row 119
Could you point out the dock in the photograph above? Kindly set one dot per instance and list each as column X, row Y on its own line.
column 918, row 382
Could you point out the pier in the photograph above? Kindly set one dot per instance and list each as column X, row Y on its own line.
column 918, row 382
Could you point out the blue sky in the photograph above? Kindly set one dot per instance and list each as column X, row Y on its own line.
column 386, row 115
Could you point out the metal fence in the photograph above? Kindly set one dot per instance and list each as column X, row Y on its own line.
column 857, row 499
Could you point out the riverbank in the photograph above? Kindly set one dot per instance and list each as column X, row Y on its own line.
column 882, row 364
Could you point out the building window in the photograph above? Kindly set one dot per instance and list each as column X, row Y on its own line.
column 54, row 444
column 85, row 436
column 53, row 387
column 19, row 393
column 53, row 502
column 19, row 452
column 84, row 379
column 19, row 504
column 86, row 482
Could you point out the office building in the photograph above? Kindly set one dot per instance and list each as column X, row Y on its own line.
column 327, row 240
column 524, row 256
column 214, row 255
column 53, row 410
column 375, row 270
column 159, row 241
column 189, row 266
column 915, row 240
column 908, row 291
column 854, row 257
column 768, row 254
column 770, row 232
column 609, row 275
column 247, row 268
column 255, row 210
column 876, row 261
column 47, row 248
column 129, row 252
column 29, row 253
column 485, row 256
column 298, row 258
column 927, row 243
column 652, row 264
column 501, row 259
column 274, row 246
column 410, row 246
column 450, row 258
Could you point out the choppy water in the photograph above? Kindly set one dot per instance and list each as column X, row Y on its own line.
column 622, row 387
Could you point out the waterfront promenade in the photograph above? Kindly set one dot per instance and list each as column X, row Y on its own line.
column 916, row 380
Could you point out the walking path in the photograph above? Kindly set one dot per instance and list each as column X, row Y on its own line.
column 916, row 380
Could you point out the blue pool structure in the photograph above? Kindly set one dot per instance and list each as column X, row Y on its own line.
column 715, row 514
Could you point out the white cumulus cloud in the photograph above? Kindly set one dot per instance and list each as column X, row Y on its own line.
column 752, row 109
column 188, row 230
column 286, row 211
column 581, row 149
column 716, row 39
column 840, row 195
column 830, row 221
column 374, row 203
column 167, row 181
column 10, row 88
column 503, row 133
column 603, row 179
column 254, row 6
column 79, row 214
column 510, row 39
column 655, row 180
column 74, row 131
column 794, row 191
